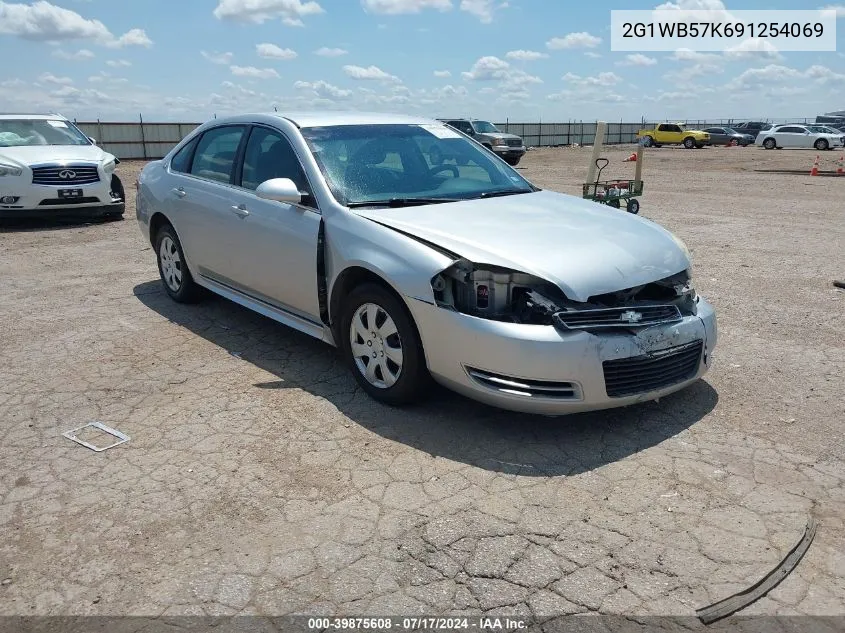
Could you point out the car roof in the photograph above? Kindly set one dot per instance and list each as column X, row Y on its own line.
column 331, row 118
column 28, row 115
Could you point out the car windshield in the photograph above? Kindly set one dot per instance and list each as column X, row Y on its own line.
column 730, row 130
column 485, row 127
column 28, row 132
column 402, row 164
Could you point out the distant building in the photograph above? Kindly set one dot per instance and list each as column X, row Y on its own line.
column 831, row 117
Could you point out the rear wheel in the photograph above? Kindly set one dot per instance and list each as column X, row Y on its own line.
column 633, row 206
column 614, row 203
column 770, row 143
column 177, row 279
column 382, row 347
column 822, row 144
column 648, row 141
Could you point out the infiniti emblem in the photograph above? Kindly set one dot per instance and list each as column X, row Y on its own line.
column 631, row 316
column 67, row 174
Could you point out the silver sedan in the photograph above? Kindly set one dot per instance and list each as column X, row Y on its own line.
column 342, row 226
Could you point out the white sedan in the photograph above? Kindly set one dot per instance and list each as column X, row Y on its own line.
column 49, row 168
column 803, row 136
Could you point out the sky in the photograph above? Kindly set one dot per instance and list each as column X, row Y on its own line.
column 520, row 60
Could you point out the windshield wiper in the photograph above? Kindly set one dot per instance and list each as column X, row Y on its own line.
column 504, row 192
column 400, row 202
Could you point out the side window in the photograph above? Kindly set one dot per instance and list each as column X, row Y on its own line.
column 216, row 151
column 269, row 155
column 792, row 130
column 675, row 128
column 182, row 160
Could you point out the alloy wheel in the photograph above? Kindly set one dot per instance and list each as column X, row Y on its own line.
column 171, row 263
column 376, row 345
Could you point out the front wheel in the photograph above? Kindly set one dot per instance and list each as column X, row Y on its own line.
column 177, row 279
column 689, row 142
column 513, row 161
column 382, row 347
column 822, row 144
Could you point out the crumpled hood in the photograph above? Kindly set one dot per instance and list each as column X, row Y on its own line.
column 36, row 154
column 584, row 248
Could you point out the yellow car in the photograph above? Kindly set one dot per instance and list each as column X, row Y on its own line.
column 673, row 134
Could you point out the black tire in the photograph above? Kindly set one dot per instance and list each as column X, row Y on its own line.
column 657, row 145
column 633, row 206
column 413, row 379
column 770, row 143
column 822, row 145
column 648, row 141
column 614, row 203
column 186, row 290
column 699, row 145
column 689, row 142
column 513, row 162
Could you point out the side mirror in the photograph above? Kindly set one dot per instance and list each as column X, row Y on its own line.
column 93, row 140
column 279, row 190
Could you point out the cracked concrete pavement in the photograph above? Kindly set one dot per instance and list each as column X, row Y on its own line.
column 260, row 480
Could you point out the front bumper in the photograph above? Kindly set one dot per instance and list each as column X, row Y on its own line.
column 43, row 202
column 509, row 152
column 459, row 347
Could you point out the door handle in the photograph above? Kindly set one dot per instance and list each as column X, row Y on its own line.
column 179, row 191
column 240, row 210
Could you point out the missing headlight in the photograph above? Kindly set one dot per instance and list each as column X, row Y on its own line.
column 496, row 293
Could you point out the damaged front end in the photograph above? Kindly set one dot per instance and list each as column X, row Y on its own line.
column 501, row 294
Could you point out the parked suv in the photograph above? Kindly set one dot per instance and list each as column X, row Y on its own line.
column 507, row 146
column 49, row 168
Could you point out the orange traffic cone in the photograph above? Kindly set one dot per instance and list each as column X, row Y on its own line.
column 631, row 159
column 815, row 170
column 840, row 168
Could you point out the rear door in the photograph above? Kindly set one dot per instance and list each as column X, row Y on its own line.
column 718, row 135
column 201, row 199
column 275, row 244
column 792, row 136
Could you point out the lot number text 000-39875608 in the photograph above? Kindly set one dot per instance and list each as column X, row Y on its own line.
column 723, row 30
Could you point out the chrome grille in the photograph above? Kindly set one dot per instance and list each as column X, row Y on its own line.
column 524, row 387
column 624, row 317
column 641, row 374
column 59, row 175
column 514, row 142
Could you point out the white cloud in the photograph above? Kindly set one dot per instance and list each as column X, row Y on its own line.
column 482, row 9
column 271, row 51
column 754, row 48
column 839, row 8
column 370, row 73
column 290, row 12
column 47, row 22
column 330, row 52
column 581, row 39
column 118, row 63
column 488, row 69
column 398, row 7
column 637, row 59
column 592, row 55
column 525, row 56
column 442, row 73
column 79, row 55
column 323, row 90
column 133, row 37
column 106, row 77
column 223, row 59
column 49, row 78
column 253, row 72
column 684, row 7
column 774, row 76
column 602, row 79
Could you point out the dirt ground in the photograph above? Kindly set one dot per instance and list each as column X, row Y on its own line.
column 260, row 480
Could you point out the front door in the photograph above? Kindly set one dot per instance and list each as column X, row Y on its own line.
column 274, row 255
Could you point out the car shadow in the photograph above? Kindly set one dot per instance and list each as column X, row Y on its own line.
column 445, row 425
column 40, row 225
